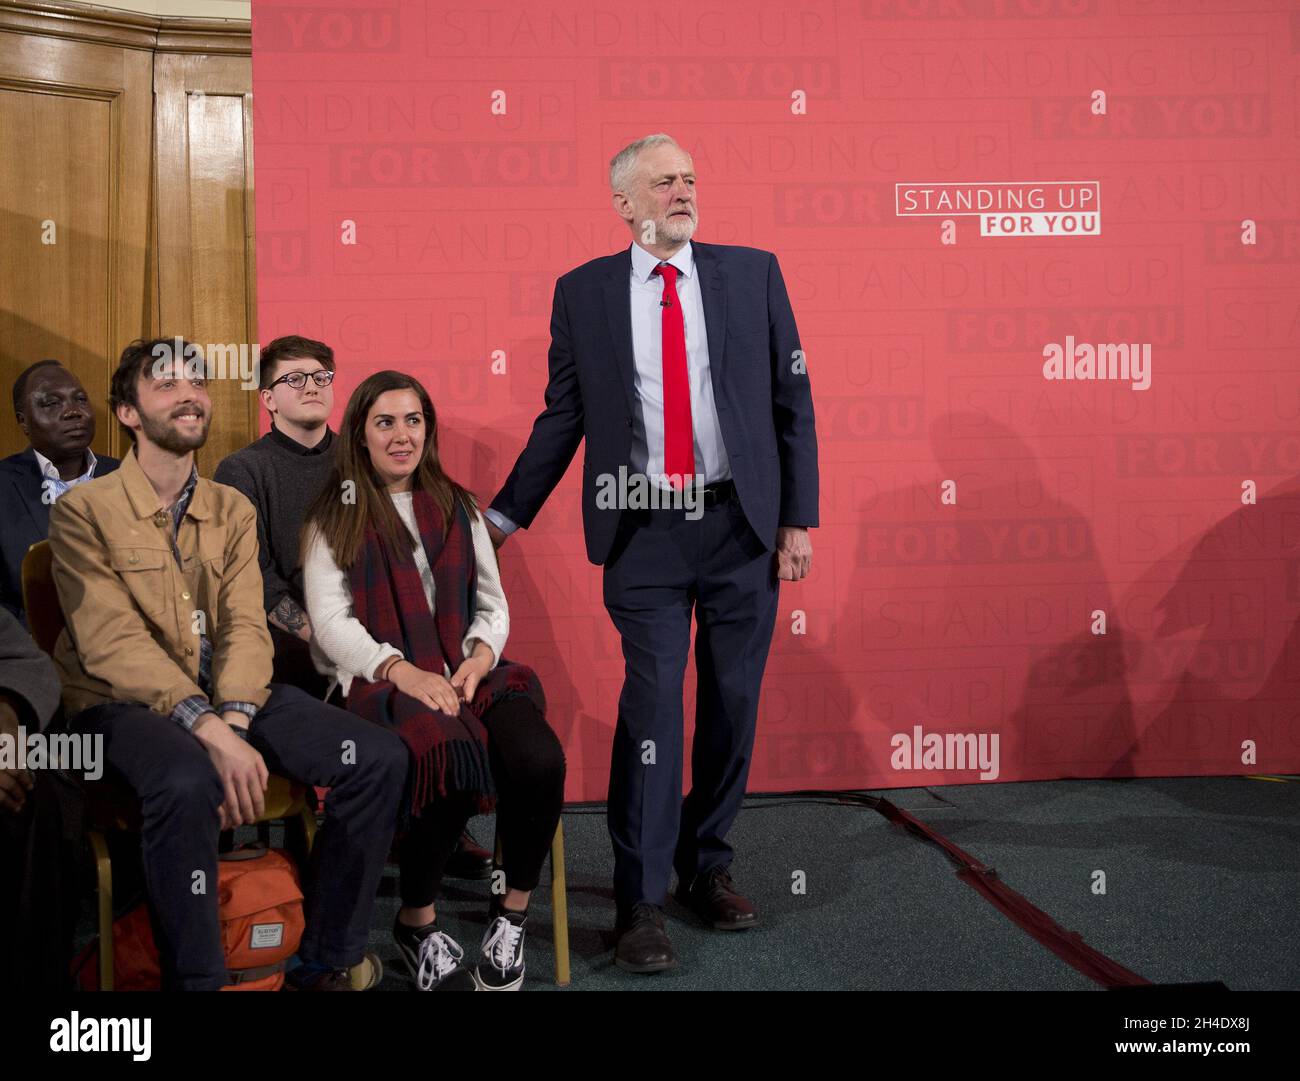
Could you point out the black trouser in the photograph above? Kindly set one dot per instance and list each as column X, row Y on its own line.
column 527, row 765
column 292, row 664
column 664, row 565
column 39, row 847
column 363, row 765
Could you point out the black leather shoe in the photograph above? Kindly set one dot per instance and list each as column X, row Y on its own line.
column 470, row 860
column 714, row 899
column 643, row 944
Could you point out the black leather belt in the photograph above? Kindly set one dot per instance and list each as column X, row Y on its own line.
column 706, row 498
column 675, row 505
column 713, row 495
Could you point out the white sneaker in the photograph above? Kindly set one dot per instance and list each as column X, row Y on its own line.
column 431, row 956
column 440, row 956
column 502, row 966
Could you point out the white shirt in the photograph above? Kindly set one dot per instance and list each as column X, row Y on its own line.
column 56, row 483
column 343, row 648
column 646, row 290
column 647, row 349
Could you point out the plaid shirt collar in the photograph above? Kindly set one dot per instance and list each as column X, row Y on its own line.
column 181, row 505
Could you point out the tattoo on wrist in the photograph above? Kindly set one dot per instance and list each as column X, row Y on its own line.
column 289, row 614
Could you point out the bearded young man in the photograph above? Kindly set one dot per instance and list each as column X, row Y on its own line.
column 166, row 655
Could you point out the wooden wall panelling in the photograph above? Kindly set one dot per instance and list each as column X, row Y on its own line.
column 75, row 124
column 132, row 133
column 203, row 151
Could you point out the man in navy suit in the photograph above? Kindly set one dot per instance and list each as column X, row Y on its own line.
column 56, row 416
column 680, row 364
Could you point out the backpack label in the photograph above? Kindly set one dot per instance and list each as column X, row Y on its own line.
column 266, row 936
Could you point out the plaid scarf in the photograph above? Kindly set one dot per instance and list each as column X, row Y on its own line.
column 450, row 753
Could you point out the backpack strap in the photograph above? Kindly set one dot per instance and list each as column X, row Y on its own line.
column 246, row 975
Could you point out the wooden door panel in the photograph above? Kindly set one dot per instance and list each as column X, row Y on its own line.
column 206, row 264
column 74, row 202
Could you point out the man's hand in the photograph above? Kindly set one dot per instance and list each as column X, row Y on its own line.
column 793, row 553
column 472, row 669
column 14, row 783
column 495, row 532
column 427, row 687
column 242, row 771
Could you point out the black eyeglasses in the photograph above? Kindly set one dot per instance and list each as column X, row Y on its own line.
column 298, row 380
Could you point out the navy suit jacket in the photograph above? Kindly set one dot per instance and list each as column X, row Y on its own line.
column 26, row 519
column 764, row 406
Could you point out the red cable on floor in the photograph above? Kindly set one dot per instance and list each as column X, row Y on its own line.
column 1067, row 945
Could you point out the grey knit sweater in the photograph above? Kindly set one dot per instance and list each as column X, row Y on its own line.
column 280, row 477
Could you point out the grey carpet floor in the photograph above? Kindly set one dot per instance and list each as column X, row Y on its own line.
column 1179, row 880
column 1186, row 879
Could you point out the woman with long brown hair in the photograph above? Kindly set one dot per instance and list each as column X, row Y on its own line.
column 404, row 595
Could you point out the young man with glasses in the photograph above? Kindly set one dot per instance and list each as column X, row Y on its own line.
column 280, row 474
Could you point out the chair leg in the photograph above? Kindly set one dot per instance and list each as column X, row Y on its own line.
column 308, row 819
column 559, row 908
column 559, row 904
column 299, row 831
column 104, row 898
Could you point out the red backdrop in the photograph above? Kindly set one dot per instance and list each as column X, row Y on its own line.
column 818, row 131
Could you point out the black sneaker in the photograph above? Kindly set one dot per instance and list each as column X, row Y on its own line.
column 432, row 957
column 502, row 964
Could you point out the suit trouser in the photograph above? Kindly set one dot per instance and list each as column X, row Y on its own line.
column 180, row 793
column 662, row 565
column 39, row 849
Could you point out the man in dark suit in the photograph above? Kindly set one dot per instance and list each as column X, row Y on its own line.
column 56, row 416
column 680, row 364
column 40, row 827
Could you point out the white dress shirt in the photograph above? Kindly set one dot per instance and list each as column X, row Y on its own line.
column 647, row 349
column 343, row 648
column 646, row 290
column 51, row 474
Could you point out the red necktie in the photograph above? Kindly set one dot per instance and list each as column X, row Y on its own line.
column 679, row 447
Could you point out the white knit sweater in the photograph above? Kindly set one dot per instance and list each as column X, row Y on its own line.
column 341, row 645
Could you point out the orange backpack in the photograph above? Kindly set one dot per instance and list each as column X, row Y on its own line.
column 259, row 905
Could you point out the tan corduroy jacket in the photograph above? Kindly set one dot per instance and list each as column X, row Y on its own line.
column 134, row 616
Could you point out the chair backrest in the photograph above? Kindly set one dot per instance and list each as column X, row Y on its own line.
column 40, row 598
